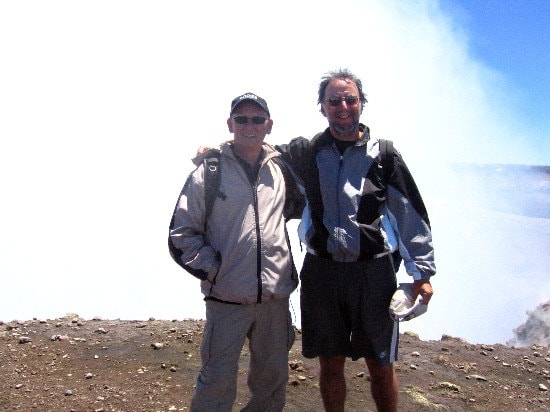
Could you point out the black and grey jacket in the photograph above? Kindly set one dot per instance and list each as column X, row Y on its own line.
column 357, row 211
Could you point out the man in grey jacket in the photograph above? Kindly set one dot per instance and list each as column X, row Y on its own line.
column 242, row 255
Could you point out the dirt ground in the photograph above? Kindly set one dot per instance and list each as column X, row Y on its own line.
column 73, row 364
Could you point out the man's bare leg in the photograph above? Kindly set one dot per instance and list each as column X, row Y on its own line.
column 384, row 386
column 333, row 383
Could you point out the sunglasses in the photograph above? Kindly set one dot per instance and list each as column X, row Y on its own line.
column 254, row 120
column 336, row 100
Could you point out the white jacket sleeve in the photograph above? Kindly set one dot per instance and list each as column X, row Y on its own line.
column 187, row 238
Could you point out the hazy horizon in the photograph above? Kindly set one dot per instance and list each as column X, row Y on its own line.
column 104, row 103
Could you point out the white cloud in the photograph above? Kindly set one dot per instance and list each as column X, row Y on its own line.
column 103, row 104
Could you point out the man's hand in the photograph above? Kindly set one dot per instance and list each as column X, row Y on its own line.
column 424, row 288
column 203, row 149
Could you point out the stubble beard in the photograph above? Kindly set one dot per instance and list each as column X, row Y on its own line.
column 350, row 130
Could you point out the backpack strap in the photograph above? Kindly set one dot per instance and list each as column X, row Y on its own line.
column 386, row 154
column 211, row 183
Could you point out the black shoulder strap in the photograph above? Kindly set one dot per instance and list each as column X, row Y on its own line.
column 386, row 153
column 211, row 182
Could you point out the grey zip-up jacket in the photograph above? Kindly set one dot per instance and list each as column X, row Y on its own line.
column 244, row 256
column 356, row 210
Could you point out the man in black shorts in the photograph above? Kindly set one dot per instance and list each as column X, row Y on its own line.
column 359, row 212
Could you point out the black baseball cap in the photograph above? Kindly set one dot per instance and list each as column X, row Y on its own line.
column 249, row 97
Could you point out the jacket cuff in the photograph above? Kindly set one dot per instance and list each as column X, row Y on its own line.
column 420, row 276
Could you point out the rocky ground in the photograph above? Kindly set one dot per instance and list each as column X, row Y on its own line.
column 72, row 364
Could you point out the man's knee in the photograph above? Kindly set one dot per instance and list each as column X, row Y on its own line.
column 380, row 372
column 332, row 366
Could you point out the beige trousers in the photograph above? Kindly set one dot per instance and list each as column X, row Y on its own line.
column 268, row 327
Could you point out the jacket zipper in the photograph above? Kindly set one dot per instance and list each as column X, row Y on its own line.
column 338, row 206
column 258, row 238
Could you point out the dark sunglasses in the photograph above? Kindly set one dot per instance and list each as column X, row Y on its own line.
column 244, row 119
column 336, row 100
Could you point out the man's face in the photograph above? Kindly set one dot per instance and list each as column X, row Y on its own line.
column 342, row 114
column 252, row 133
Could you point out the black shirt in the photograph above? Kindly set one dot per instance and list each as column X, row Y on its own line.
column 251, row 171
column 342, row 145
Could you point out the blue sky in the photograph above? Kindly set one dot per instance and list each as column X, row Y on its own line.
column 512, row 37
column 102, row 104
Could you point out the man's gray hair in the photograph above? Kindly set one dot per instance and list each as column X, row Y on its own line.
column 341, row 74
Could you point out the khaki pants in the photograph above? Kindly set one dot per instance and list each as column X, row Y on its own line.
column 268, row 327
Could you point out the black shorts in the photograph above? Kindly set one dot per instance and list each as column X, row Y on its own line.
column 344, row 309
